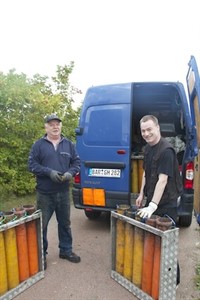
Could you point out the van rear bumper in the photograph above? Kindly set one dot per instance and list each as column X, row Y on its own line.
column 113, row 199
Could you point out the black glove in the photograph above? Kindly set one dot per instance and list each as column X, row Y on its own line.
column 56, row 176
column 67, row 176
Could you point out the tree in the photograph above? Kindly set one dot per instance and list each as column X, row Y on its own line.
column 24, row 102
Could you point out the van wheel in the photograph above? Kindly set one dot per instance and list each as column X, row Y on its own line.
column 185, row 221
column 92, row 215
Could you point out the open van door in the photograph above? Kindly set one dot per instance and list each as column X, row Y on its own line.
column 193, row 86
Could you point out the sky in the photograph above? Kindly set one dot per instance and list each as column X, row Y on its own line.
column 110, row 41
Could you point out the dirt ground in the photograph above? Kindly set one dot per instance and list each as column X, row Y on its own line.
column 189, row 256
column 90, row 279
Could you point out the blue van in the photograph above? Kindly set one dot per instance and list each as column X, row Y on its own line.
column 111, row 147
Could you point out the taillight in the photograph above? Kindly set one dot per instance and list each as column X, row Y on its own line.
column 189, row 175
column 77, row 178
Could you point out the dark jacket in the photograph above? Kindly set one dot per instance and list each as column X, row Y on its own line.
column 174, row 185
column 44, row 158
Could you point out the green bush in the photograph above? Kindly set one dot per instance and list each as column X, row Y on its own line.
column 24, row 103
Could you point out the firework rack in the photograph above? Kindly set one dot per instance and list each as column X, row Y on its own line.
column 32, row 279
column 168, row 258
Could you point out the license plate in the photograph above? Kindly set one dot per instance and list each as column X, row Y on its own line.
column 112, row 173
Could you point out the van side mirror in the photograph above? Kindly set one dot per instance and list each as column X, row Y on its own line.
column 79, row 130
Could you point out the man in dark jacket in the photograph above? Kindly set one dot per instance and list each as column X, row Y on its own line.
column 54, row 161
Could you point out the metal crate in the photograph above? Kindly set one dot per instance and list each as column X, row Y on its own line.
column 168, row 263
column 10, row 294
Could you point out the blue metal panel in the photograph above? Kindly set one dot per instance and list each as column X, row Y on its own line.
column 193, row 86
column 105, row 144
column 105, row 94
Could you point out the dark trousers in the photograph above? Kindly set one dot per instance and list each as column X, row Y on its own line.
column 60, row 204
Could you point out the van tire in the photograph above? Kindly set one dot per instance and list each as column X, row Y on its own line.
column 185, row 221
column 92, row 215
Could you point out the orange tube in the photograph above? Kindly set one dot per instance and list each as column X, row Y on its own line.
column 149, row 244
column 128, row 251
column 3, row 268
column 156, row 269
column 32, row 247
column 147, row 270
column 29, row 208
column 140, row 173
column 11, row 258
column 163, row 223
column 138, row 256
column 120, row 239
column 22, row 249
column 19, row 212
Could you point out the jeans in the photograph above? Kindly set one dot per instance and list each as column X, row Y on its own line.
column 60, row 204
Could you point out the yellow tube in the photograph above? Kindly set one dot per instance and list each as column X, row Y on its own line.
column 120, row 228
column 3, row 269
column 128, row 251
column 122, row 209
column 138, row 257
column 11, row 258
column 134, row 176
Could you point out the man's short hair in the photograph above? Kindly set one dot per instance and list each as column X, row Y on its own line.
column 149, row 117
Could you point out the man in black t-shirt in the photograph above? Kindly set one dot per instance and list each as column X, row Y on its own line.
column 161, row 181
column 161, row 175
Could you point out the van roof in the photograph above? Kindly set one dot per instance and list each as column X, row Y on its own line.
column 122, row 92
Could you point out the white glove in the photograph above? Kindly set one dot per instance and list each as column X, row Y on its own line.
column 146, row 212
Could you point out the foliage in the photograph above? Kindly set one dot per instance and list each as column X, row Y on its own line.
column 24, row 102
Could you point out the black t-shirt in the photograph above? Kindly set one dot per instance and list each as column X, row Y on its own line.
column 165, row 163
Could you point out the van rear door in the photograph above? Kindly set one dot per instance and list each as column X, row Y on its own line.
column 103, row 141
column 193, row 86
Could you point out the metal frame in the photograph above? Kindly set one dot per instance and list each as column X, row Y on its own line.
column 33, row 279
column 169, row 251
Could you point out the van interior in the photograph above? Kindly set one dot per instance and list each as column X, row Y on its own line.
column 164, row 102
